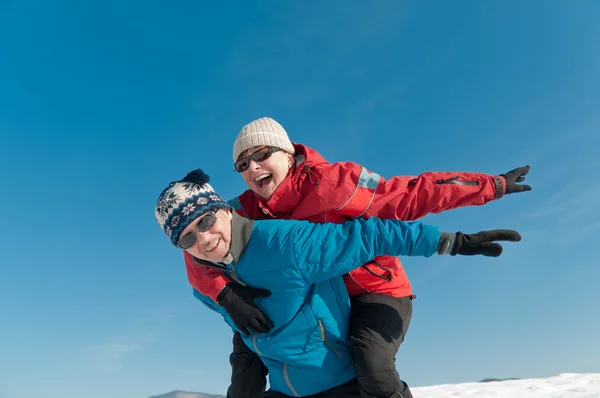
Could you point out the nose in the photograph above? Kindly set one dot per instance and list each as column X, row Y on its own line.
column 201, row 238
column 253, row 165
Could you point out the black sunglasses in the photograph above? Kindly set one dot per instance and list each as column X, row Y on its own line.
column 262, row 154
column 205, row 223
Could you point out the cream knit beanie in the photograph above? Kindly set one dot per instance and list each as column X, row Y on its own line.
column 264, row 131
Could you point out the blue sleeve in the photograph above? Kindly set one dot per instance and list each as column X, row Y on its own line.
column 324, row 251
column 207, row 301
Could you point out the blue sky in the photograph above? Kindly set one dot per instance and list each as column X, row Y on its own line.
column 101, row 105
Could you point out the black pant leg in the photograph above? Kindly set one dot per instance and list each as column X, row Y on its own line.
column 347, row 390
column 248, row 373
column 378, row 324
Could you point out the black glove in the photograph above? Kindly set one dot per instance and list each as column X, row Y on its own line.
column 479, row 243
column 514, row 176
column 238, row 301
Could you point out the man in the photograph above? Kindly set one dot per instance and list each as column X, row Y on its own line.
column 301, row 263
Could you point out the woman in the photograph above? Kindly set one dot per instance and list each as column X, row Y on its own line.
column 292, row 181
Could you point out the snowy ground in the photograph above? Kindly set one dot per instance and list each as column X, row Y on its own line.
column 567, row 385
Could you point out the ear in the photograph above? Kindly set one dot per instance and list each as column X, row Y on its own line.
column 291, row 160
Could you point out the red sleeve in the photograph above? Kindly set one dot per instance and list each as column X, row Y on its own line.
column 206, row 280
column 412, row 197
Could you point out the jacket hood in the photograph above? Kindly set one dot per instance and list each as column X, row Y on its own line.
column 307, row 156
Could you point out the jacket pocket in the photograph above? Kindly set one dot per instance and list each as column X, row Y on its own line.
column 386, row 274
column 457, row 181
column 326, row 340
column 286, row 376
column 255, row 343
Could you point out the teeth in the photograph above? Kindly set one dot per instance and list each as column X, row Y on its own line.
column 262, row 177
column 211, row 247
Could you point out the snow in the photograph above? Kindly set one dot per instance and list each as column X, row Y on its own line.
column 566, row 385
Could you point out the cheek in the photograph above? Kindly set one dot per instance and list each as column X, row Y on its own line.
column 279, row 168
column 246, row 177
column 224, row 231
column 218, row 230
column 282, row 174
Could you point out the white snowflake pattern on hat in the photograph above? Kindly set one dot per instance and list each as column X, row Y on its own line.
column 183, row 201
column 188, row 208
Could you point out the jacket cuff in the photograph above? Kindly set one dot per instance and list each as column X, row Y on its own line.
column 500, row 187
column 216, row 287
column 446, row 243
column 221, row 293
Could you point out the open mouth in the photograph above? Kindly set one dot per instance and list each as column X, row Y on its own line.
column 212, row 246
column 263, row 179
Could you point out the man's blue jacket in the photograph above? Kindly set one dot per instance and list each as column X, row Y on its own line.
column 301, row 263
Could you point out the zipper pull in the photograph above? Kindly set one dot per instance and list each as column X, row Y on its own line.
column 445, row 181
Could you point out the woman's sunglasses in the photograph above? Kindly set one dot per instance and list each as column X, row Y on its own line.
column 205, row 223
column 262, row 154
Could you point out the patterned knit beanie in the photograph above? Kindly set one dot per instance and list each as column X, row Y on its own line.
column 262, row 132
column 181, row 202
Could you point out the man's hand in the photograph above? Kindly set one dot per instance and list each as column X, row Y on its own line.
column 514, row 176
column 238, row 301
column 473, row 244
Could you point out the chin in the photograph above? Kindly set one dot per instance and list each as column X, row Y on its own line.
column 218, row 256
column 266, row 193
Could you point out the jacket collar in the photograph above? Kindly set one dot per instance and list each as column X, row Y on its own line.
column 241, row 229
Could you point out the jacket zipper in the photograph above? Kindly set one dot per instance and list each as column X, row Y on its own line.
column 287, row 380
column 361, row 286
column 455, row 180
column 235, row 277
column 204, row 263
column 254, row 338
column 387, row 277
column 285, row 365
column 324, row 338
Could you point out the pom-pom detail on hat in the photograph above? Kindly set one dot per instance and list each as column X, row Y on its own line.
column 197, row 176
